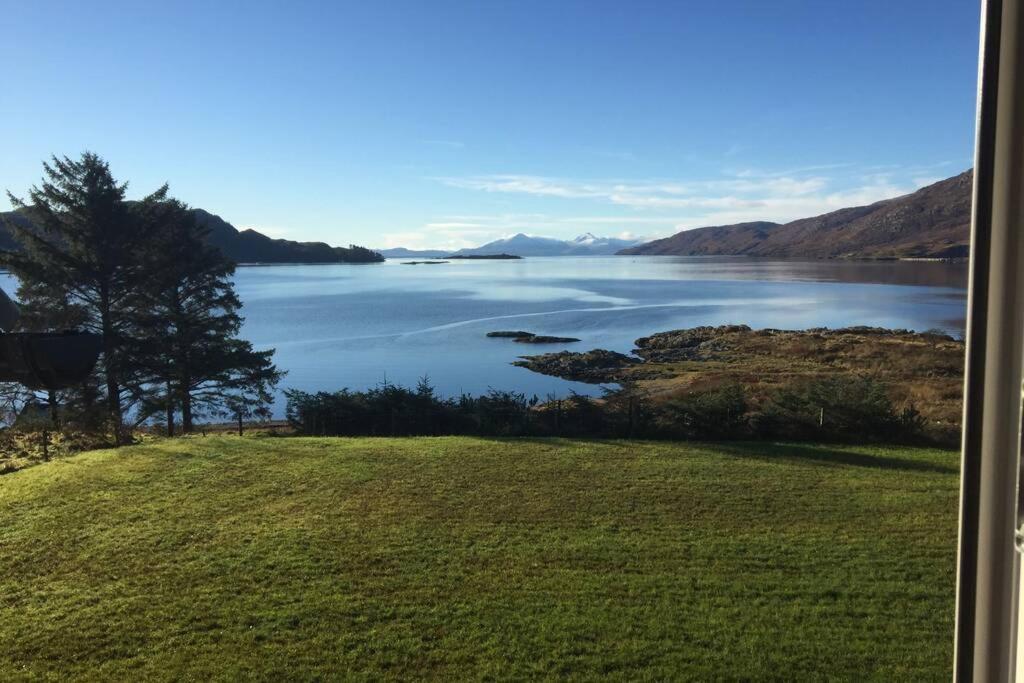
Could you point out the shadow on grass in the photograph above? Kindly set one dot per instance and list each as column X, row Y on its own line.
column 828, row 455
column 762, row 450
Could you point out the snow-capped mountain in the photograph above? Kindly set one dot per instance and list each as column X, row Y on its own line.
column 521, row 244
column 402, row 252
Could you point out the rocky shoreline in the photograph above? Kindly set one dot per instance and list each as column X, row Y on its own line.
column 595, row 367
column 922, row 369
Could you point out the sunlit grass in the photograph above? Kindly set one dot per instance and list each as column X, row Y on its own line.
column 455, row 558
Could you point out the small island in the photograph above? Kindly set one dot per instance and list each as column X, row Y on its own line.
column 422, row 263
column 483, row 257
column 530, row 338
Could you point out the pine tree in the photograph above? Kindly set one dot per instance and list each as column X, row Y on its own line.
column 252, row 395
column 188, row 325
column 84, row 246
column 45, row 308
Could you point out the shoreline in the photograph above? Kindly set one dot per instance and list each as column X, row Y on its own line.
column 922, row 370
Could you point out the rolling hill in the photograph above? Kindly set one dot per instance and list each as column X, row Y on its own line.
column 933, row 222
column 249, row 246
column 243, row 246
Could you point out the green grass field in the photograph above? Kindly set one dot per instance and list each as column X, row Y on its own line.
column 456, row 558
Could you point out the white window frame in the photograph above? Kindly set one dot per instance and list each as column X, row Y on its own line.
column 989, row 571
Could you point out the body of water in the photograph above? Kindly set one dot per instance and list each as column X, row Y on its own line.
column 354, row 326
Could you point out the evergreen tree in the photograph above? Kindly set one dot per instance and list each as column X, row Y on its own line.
column 252, row 395
column 84, row 248
column 188, row 326
column 45, row 308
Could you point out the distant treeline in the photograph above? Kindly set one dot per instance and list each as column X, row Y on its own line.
column 841, row 408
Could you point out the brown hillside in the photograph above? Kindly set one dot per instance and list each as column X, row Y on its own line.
column 933, row 222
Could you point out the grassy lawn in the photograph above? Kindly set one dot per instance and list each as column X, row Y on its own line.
column 455, row 558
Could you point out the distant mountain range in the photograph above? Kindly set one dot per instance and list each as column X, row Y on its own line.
column 933, row 222
column 401, row 252
column 244, row 246
column 527, row 245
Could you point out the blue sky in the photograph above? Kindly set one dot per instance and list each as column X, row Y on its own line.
column 416, row 123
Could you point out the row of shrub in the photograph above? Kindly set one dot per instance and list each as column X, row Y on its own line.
column 840, row 408
column 21, row 447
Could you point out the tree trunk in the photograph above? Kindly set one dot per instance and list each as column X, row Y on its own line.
column 110, row 372
column 87, row 393
column 186, row 412
column 170, row 411
column 114, row 406
column 51, row 397
column 239, row 424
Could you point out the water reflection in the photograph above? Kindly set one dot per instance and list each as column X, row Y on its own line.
column 923, row 273
column 340, row 325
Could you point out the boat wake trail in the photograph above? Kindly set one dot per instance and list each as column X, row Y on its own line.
column 696, row 305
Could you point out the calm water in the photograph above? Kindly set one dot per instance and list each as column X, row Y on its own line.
column 350, row 326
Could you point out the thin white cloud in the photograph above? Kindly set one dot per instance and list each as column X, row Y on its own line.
column 798, row 170
column 745, row 195
column 660, row 207
column 430, row 238
column 647, row 194
column 619, row 220
column 524, row 184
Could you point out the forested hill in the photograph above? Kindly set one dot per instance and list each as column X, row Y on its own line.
column 933, row 222
column 246, row 246
column 249, row 246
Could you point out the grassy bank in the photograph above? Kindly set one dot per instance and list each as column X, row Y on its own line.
column 457, row 557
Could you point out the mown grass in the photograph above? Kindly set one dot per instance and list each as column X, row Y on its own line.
column 456, row 558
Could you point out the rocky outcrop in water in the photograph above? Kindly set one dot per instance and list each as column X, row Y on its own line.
column 510, row 334
column 695, row 343
column 531, row 338
column 596, row 367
